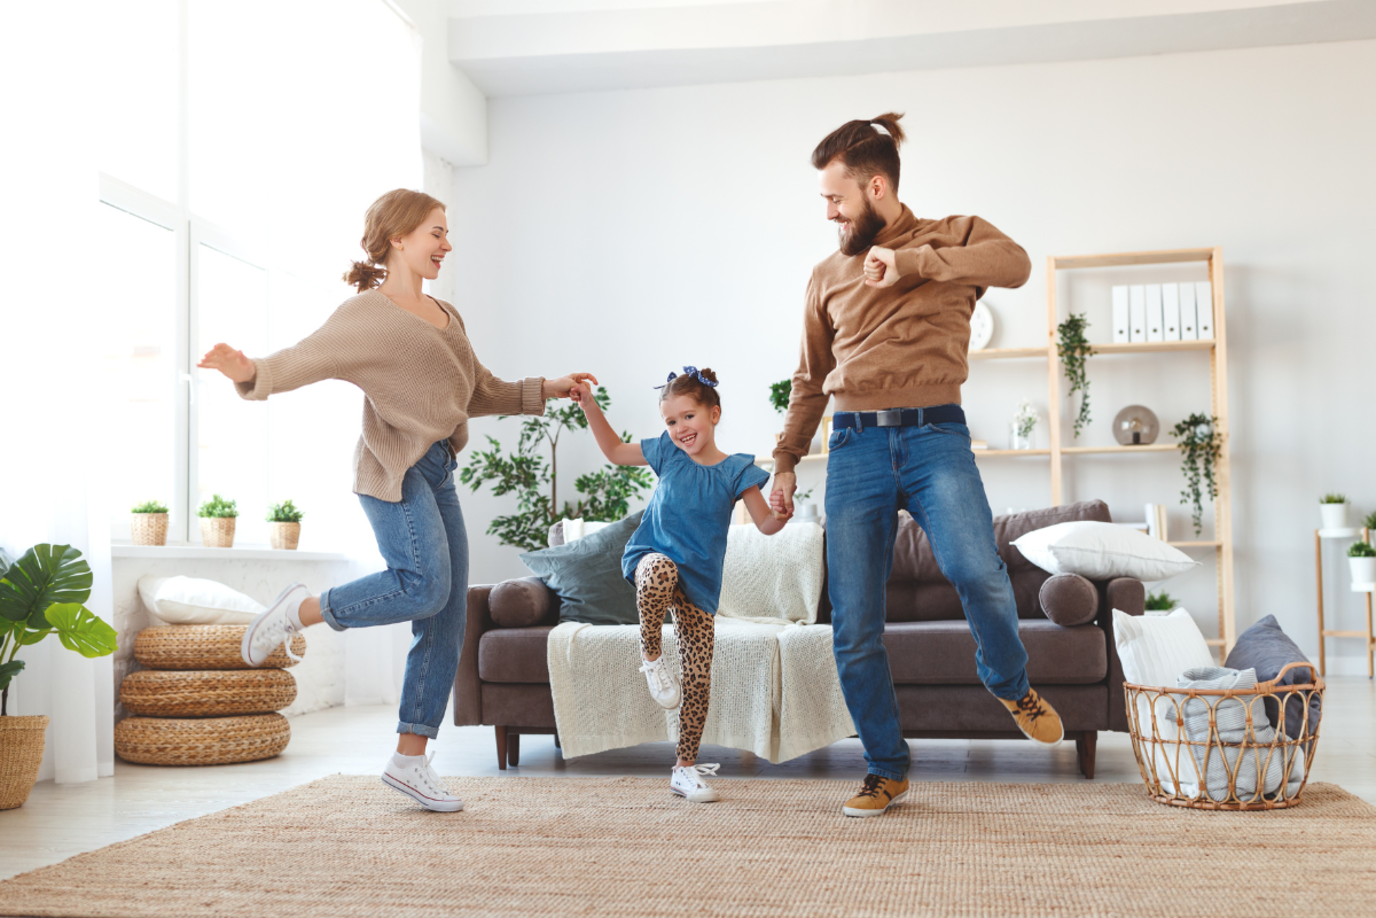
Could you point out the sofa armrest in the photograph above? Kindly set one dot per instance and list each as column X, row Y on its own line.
column 468, row 698
column 1127, row 595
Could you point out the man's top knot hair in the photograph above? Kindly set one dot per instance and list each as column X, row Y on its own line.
column 865, row 148
column 700, row 385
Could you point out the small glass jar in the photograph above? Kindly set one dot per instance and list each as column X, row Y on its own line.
column 1017, row 440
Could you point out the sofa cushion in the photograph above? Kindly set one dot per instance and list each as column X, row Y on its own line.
column 587, row 575
column 514, row 655
column 943, row 653
column 1102, row 551
column 1069, row 600
column 1265, row 648
column 519, row 603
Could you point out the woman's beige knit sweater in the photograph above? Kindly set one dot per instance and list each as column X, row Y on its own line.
column 420, row 384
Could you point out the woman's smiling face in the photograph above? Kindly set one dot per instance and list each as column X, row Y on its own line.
column 691, row 424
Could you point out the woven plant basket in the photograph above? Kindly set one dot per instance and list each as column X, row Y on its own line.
column 148, row 528
column 217, row 531
column 21, row 752
column 184, row 647
column 284, row 535
column 1210, row 773
column 201, row 741
column 207, row 693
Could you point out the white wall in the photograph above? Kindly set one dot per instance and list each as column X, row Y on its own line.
column 629, row 233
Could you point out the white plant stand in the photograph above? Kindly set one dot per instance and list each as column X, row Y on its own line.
column 1368, row 588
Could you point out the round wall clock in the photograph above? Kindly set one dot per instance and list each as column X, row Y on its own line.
column 981, row 327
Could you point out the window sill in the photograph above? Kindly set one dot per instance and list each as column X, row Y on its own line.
column 201, row 553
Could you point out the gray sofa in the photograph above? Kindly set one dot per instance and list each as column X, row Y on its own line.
column 1065, row 622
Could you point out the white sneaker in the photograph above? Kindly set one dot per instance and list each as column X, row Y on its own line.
column 273, row 627
column 663, row 684
column 687, row 782
column 419, row 782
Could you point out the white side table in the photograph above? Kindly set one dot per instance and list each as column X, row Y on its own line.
column 1367, row 588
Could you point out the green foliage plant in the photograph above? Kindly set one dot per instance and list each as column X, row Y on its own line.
column 44, row 593
column 1370, row 521
column 150, row 506
column 1361, row 550
column 1333, row 498
column 218, row 508
column 779, row 394
column 284, row 512
column 603, row 495
column 1200, row 445
column 1073, row 349
column 1160, row 602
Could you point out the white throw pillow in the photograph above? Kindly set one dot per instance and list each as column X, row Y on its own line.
column 1102, row 551
column 191, row 601
column 577, row 528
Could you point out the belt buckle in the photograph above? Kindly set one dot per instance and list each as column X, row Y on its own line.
column 892, row 417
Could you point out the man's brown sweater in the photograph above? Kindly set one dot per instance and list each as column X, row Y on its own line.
column 903, row 346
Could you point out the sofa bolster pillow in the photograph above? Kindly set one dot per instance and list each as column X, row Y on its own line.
column 1069, row 600
column 519, row 603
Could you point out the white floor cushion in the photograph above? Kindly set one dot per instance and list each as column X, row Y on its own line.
column 193, row 601
column 1102, row 551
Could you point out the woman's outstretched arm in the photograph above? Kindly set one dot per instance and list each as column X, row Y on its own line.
column 612, row 446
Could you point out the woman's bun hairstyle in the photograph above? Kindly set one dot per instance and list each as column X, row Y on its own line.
column 396, row 213
column 691, row 383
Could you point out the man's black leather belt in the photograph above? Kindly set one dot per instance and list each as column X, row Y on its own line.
column 899, row 417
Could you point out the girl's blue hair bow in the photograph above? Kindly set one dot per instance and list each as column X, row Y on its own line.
column 693, row 372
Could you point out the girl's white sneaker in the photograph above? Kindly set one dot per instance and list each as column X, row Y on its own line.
column 663, row 683
column 417, row 780
column 687, row 783
column 274, row 626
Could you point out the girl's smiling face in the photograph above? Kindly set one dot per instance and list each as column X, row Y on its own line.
column 692, row 425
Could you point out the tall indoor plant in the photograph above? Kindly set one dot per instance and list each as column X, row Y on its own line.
column 42, row 593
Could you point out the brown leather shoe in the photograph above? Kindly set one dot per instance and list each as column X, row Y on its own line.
column 876, row 795
column 1037, row 720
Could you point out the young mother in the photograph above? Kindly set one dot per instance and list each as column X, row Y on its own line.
column 421, row 383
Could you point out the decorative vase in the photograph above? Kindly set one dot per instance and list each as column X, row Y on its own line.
column 148, row 528
column 1017, row 440
column 21, row 753
column 284, row 535
column 804, row 511
column 1363, row 569
column 1334, row 516
column 217, row 531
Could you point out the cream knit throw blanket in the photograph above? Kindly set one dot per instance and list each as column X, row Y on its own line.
column 775, row 691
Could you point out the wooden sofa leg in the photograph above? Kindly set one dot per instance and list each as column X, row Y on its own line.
column 501, row 747
column 513, row 749
column 1086, row 744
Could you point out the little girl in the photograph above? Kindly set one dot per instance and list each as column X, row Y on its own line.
column 674, row 559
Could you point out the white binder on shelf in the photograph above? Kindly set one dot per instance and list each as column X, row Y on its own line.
column 1204, row 307
column 1155, row 317
column 1121, row 334
column 1137, row 313
column 1189, row 322
column 1170, row 308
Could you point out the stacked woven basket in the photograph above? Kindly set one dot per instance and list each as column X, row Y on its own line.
column 197, row 703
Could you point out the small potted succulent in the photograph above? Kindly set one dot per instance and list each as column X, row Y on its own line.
column 284, row 525
column 1333, row 511
column 217, row 522
column 1361, row 557
column 148, row 523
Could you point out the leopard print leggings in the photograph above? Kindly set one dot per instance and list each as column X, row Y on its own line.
column 657, row 589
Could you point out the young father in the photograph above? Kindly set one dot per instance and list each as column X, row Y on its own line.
column 886, row 332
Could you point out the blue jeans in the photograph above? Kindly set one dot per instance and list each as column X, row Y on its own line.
column 423, row 541
column 929, row 471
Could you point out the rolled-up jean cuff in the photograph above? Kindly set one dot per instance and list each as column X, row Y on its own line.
column 326, row 614
column 418, row 729
column 874, row 770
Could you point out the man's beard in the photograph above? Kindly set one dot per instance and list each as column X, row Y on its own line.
column 863, row 230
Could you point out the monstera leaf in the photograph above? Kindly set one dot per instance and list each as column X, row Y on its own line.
column 79, row 629
column 47, row 574
column 8, row 671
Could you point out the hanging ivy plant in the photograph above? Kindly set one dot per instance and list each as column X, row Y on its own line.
column 1073, row 349
column 1201, row 444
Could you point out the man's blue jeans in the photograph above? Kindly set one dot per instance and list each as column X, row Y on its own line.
column 929, row 471
column 423, row 541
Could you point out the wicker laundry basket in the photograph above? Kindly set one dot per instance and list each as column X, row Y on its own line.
column 148, row 528
column 207, row 693
column 201, row 741
column 203, row 647
column 217, row 531
column 1209, row 773
column 21, row 753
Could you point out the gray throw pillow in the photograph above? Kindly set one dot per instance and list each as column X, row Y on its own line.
column 586, row 574
column 1265, row 648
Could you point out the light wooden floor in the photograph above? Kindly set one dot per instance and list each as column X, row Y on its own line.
column 59, row 821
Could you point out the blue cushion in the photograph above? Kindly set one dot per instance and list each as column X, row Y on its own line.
column 586, row 574
column 1266, row 648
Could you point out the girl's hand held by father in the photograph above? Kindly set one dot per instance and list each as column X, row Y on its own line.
column 230, row 362
column 781, row 496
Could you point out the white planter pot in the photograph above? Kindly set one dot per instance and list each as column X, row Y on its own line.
column 1334, row 516
column 804, row 512
column 1363, row 569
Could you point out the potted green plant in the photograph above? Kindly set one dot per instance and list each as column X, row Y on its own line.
column 1022, row 426
column 148, row 523
column 1200, row 446
column 1333, row 511
column 1361, row 557
column 284, row 529
column 42, row 593
column 217, row 522
column 1160, row 602
column 1369, row 524
column 1074, row 349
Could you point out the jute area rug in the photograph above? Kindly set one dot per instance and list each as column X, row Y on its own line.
column 348, row 846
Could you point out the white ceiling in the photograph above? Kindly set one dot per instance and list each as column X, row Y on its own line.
column 529, row 47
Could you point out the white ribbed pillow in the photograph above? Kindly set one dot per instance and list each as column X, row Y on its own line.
column 1155, row 649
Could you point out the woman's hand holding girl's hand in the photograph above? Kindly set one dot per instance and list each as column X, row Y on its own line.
column 560, row 388
column 230, row 362
column 582, row 397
